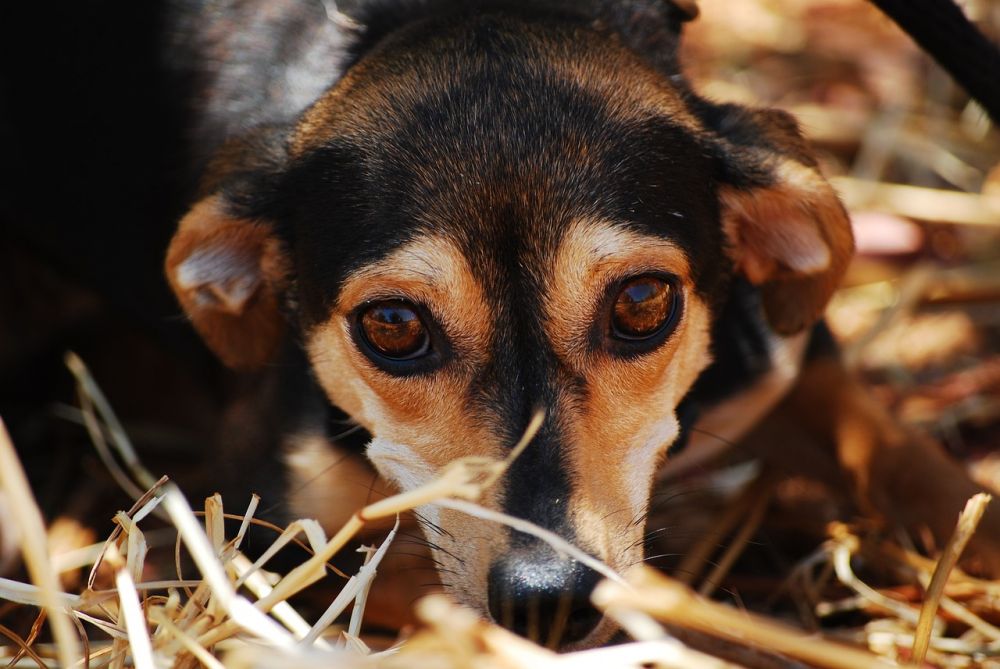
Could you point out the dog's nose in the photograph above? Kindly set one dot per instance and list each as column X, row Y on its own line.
column 543, row 597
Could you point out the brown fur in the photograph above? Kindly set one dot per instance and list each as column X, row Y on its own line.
column 236, row 273
column 793, row 239
column 896, row 474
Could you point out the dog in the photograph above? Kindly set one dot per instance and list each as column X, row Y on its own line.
column 463, row 213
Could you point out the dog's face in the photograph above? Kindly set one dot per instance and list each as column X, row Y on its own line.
column 487, row 217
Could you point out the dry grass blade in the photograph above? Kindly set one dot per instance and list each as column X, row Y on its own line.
column 551, row 538
column 352, row 591
column 25, row 593
column 842, row 547
column 373, row 558
column 189, row 644
column 695, row 559
column 457, row 637
column 926, row 204
column 144, row 505
column 258, row 585
column 641, row 655
column 34, row 546
column 240, row 611
column 968, row 521
column 132, row 613
column 671, row 601
column 89, row 388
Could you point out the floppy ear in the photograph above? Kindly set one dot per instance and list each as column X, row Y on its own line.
column 228, row 274
column 786, row 229
column 225, row 264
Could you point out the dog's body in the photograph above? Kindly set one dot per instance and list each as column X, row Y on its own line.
column 470, row 212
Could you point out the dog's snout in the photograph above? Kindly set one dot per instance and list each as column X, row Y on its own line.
column 543, row 597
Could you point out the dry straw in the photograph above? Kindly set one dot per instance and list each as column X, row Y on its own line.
column 235, row 614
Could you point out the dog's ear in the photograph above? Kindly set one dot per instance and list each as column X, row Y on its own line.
column 225, row 263
column 786, row 230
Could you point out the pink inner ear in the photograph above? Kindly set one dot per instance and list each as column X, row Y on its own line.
column 792, row 238
column 775, row 232
column 219, row 277
column 793, row 243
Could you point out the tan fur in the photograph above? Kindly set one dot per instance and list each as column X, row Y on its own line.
column 793, row 239
column 329, row 483
column 617, row 437
column 233, row 293
column 619, row 434
column 426, row 415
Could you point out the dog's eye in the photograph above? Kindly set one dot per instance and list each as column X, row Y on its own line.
column 643, row 308
column 393, row 329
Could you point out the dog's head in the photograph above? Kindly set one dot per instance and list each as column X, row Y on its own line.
column 493, row 213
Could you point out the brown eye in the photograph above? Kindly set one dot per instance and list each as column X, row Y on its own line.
column 393, row 329
column 643, row 308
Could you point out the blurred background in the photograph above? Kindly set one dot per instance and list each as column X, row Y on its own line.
column 918, row 166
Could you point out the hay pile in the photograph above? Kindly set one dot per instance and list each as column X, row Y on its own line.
column 234, row 613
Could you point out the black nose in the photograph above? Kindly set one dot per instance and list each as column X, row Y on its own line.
column 543, row 597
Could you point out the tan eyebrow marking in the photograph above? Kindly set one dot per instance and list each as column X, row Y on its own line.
column 592, row 254
column 434, row 272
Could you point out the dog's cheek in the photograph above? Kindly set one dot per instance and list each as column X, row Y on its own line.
column 401, row 465
column 463, row 547
column 418, row 428
column 333, row 361
column 644, row 458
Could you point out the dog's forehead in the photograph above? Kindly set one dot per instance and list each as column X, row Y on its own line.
column 458, row 61
column 500, row 136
